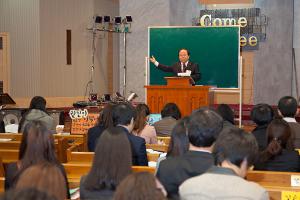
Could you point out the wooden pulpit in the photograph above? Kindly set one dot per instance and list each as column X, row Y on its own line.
column 179, row 81
column 178, row 90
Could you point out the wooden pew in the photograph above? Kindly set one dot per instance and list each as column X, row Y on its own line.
column 10, row 144
column 61, row 146
column 75, row 170
column 87, row 157
column 2, row 173
column 9, row 155
column 165, row 140
column 158, row 147
column 80, row 157
column 72, row 138
column 10, row 151
column 2, row 180
column 271, row 178
column 152, row 157
column 274, row 182
column 13, row 136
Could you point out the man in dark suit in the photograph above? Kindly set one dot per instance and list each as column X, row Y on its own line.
column 262, row 114
column 180, row 67
column 123, row 115
column 203, row 129
column 288, row 109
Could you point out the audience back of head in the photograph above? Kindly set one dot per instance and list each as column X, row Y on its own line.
column 45, row 177
column 142, row 111
column 279, row 133
column 123, row 114
column 37, row 145
column 235, row 146
column 139, row 186
column 38, row 102
column 105, row 117
column 226, row 113
column 179, row 142
column 112, row 160
column 204, row 127
column 262, row 114
column 171, row 110
column 37, row 111
column 287, row 106
column 26, row 194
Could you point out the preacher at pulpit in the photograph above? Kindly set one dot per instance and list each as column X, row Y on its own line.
column 183, row 66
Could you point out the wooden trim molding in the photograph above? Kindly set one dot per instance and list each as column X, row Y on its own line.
column 5, row 62
column 52, row 102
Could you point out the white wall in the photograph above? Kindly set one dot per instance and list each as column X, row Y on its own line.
column 58, row 78
column 38, row 46
column 21, row 20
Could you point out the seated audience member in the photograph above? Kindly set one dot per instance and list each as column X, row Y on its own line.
column 112, row 163
column 170, row 114
column 141, row 128
column 203, row 129
column 37, row 146
column 235, row 151
column 45, row 177
column 140, row 186
column 279, row 154
column 104, row 122
column 288, row 107
column 262, row 115
column 227, row 114
column 26, row 194
column 179, row 142
column 37, row 112
column 123, row 115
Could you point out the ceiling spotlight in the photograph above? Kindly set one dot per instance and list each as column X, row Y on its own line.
column 98, row 19
column 117, row 20
column 128, row 19
column 106, row 19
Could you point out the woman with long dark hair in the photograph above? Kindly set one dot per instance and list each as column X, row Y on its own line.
column 112, row 162
column 179, row 142
column 140, row 186
column 45, row 177
column 279, row 154
column 141, row 128
column 37, row 146
column 104, row 122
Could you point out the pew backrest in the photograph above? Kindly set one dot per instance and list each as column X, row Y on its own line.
column 158, row 147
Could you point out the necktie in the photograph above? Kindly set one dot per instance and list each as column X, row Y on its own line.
column 183, row 67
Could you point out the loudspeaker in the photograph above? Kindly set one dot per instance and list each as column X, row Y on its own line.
column 11, row 116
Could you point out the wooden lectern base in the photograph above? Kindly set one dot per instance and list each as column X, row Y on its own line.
column 178, row 90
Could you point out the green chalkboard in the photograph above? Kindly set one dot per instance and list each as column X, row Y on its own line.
column 215, row 49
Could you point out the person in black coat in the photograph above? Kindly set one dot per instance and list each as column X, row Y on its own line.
column 104, row 122
column 203, row 128
column 123, row 115
column 182, row 66
column 111, row 164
